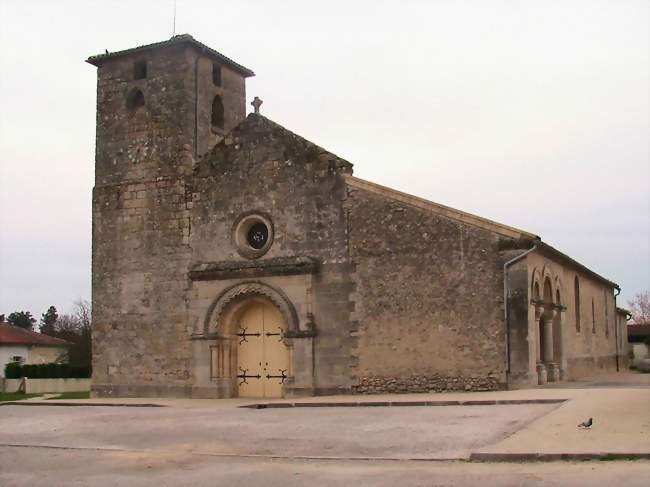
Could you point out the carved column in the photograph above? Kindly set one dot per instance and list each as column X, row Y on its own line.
column 552, row 369
column 547, row 325
column 540, row 366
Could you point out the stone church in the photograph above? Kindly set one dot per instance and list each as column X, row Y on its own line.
column 232, row 257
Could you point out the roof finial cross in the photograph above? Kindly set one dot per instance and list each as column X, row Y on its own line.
column 256, row 104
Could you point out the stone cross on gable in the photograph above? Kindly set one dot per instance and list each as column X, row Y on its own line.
column 256, row 104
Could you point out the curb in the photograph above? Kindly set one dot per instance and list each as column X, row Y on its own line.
column 55, row 403
column 352, row 404
column 555, row 457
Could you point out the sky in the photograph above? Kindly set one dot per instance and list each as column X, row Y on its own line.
column 533, row 114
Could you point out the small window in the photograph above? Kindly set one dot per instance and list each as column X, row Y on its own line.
column 140, row 70
column 17, row 359
column 216, row 75
column 134, row 100
column 576, row 294
column 217, row 113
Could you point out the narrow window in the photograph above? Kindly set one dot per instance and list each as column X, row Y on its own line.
column 593, row 316
column 606, row 314
column 134, row 100
column 140, row 70
column 576, row 294
column 217, row 113
column 216, row 75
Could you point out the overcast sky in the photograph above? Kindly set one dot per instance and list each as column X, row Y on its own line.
column 534, row 114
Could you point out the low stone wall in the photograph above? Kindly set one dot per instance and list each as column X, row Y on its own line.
column 39, row 386
column 393, row 385
column 11, row 385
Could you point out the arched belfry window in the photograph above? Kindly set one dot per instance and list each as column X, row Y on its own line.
column 217, row 113
column 134, row 100
column 576, row 306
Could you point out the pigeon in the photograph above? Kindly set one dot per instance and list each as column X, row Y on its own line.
column 586, row 424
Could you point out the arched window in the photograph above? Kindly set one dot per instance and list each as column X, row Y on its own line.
column 576, row 306
column 217, row 113
column 593, row 316
column 134, row 100
column 536, row 295
column 548, row 291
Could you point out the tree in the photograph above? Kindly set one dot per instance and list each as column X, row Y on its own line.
column 640, row 307
column 22, row 319
column 75, row 328
column 48, row 319
column 2, row 318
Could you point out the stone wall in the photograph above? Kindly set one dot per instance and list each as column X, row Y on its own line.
column 428, row 300
column 583, row 349
column 427, row 383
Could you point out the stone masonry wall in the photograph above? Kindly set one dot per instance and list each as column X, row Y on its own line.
column 262, row 167
column 428, row 300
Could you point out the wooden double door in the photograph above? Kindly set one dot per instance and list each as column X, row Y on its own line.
column 262, row 356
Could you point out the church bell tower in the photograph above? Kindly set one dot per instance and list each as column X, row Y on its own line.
column 159, row 108
column 160, row 105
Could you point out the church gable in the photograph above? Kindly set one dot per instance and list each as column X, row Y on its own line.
column 262, row 168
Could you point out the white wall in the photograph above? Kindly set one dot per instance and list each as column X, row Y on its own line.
column 7, row 352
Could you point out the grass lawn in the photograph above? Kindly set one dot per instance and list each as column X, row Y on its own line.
column 15, row 396
column 72, row 395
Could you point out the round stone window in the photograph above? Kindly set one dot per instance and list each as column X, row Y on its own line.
column 253, row 234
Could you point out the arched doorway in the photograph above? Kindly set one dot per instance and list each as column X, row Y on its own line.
column 262, row 357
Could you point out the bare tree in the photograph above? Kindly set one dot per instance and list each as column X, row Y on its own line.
column 75, row 327
column 640, row 308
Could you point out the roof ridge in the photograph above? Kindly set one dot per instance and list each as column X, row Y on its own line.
column 447, row 211
column 24, row 336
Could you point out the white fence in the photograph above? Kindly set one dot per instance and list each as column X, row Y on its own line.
column 38, row 386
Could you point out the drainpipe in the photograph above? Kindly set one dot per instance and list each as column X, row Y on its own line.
column 505, row 299
column 618, row 291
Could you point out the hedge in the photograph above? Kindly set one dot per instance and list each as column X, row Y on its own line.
column 14, row 370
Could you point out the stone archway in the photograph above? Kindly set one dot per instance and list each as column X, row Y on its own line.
column 230, row 301
column 249, row 326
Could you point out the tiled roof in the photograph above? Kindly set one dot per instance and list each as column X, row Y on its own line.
column 99, row 59
column 14, row 335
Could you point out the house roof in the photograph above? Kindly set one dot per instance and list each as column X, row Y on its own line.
column 180, row 39
column 14, row 335
column 638, row 330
